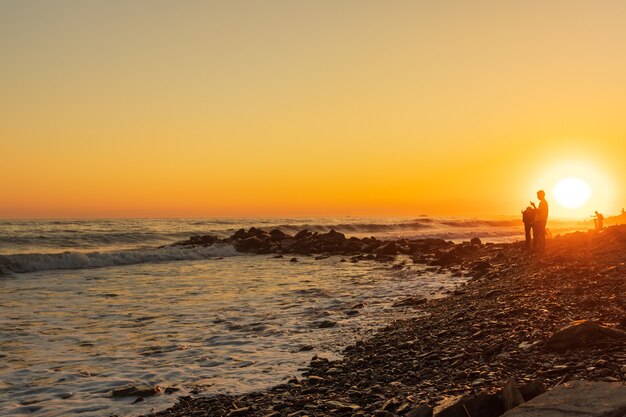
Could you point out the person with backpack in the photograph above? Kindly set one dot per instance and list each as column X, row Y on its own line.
column 528, row 217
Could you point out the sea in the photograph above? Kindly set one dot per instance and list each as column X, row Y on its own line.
column 90, row 306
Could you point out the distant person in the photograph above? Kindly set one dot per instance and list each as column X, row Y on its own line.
column 598, row 221
column 541, row 218
column 528, row 217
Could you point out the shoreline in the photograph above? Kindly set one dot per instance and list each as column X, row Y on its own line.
column 492, row 328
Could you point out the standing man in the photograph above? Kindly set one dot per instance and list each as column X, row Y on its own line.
column 599, row 221
column 541, row 218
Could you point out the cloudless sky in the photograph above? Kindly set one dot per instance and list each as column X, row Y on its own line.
column 255, row 108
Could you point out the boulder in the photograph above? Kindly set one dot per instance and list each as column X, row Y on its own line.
column 532, row 390
column 136, row 391
column 445, row 259
column 277, row 235
column 481, row 405
column 387, row 249
column 332, row 237
column 302, row 234
column 421, row 411
column 240, row 234
column 476, row 241
column 511, row 396
column 252, row 244
column 576, row 398
column 583, row 333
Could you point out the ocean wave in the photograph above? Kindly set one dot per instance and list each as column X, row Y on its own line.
column 31, row 262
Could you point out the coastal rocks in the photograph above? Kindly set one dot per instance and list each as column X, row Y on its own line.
column 491, row 328
column 583, row 333
column 206, row 240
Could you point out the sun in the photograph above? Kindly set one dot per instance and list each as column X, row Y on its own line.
column 571, row 192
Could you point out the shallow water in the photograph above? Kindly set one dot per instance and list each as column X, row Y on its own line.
column 217, row 325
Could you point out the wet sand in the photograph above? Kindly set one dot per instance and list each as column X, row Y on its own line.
column 492, row 328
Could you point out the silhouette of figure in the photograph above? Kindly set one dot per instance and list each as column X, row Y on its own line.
column 599, row 221
column 528, row 217
column 541, row 218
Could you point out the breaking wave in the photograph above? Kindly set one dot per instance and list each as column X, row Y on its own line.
column 30, row 262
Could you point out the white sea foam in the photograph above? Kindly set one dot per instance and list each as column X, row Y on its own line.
column 30, row 262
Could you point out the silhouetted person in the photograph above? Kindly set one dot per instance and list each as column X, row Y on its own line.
column 599, row 221
column 541, row 218
column 528, row 217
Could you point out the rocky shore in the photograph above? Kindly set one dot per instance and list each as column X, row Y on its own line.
column 534, row 321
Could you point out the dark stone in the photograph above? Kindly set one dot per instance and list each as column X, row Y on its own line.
column 252, row 244
column 387, row 249
column 582, row 333
column 511, row 396
column 421, row 411
column 302, row 234
column 136, row 391
column 481, row 405
column 277, row 235
column 475, row 241
column 532, row 389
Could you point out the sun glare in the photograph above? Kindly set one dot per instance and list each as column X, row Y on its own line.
column 571, row 192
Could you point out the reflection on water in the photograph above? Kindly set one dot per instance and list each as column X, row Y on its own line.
column 219, row 325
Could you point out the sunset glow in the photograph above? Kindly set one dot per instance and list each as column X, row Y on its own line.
column 571, row 192
column 157, row 109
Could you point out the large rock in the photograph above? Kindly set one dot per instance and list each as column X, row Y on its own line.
column 332, row 237
column 481, row 405
column 252, row 244
column 511, row 396
column 387, row 249
column 576, row 398
column 136, row 391
column 582, row 333
column 277, row 234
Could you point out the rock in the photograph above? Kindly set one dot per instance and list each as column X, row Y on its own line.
column 481, row 405
column 445, row 259
column 252, row 244
column 239, row 412
column 421, row 411
column 481, row 266
column 410, row 301
column 302, row 234
column 277, row 234
column 136, row 391
column 576, row 398
column 582, row 333
column 511, row 396
column 339, row 406
column 532, row 389
column 293, row 260
column 387, row 249
column 475, row 241
column 332, row 237
column 325, row 324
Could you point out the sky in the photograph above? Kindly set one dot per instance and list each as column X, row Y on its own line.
column 308, row 108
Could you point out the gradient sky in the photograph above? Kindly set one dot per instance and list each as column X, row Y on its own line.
column 195, row 108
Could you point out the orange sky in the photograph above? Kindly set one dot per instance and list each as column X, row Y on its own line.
column 153, row 108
